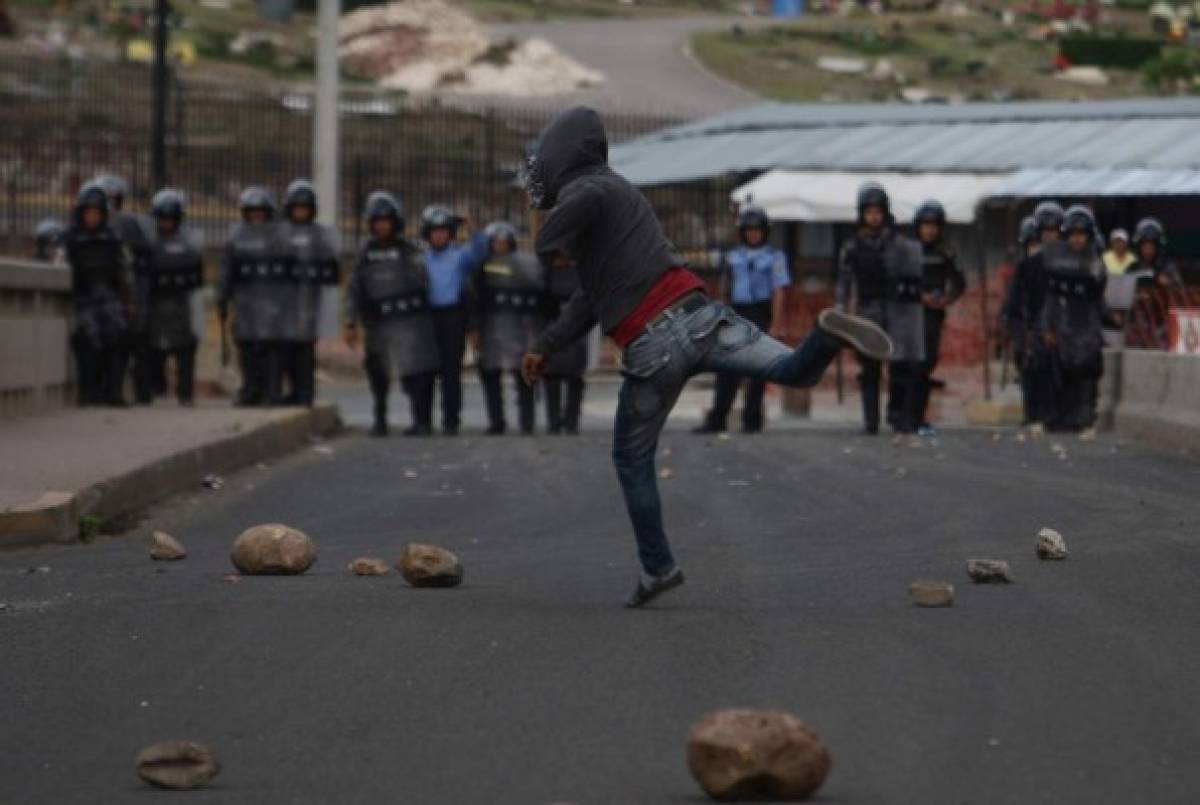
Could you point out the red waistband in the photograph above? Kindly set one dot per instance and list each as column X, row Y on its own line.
column 672, row 286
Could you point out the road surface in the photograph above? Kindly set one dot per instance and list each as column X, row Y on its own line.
column 530, row 684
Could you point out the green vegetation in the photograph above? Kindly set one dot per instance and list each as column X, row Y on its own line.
column 524, row 10
column 976, row 57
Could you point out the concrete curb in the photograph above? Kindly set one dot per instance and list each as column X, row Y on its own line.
column 56, row 515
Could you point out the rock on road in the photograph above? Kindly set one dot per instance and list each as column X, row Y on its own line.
column 530, row 684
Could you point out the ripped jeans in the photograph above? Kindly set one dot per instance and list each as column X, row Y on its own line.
column 655, row 368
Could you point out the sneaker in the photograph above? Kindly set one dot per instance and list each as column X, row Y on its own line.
column 927, row 431
column 645, row 593
column 863, row 335
column 380, row 428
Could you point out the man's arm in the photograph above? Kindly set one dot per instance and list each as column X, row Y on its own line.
column 956, row 281
column 568, row 223
column 574, row 322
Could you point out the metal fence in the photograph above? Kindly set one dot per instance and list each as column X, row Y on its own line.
column 67, row 120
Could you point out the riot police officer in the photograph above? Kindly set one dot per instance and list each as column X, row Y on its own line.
column 102, row 290
column 1159, row 286
column 942, row 284
column 48, row 239
column 450, row 266
column 756, row 274
column 388, row 294
column 563, row 380
column 169, row 276
column 1072, row 319
column 879, row 277
column 313, row 261
column 1016, row 319
column 509, row 313
column 256, row 278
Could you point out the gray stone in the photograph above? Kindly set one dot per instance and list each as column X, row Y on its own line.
column 756, row 754
column 989, row 571
column 1051, row 545
column 364, row 566
column 273, row 550
column 165, row 548
column 177, row 765
column 932, row 593
column 429, row 566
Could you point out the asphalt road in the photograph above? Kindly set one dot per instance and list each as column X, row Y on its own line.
column 530, row 684
column 646, row 63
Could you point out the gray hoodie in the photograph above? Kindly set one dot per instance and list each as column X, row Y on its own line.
column 598, row 220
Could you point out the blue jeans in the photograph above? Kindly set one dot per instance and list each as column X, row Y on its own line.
column 658, row 364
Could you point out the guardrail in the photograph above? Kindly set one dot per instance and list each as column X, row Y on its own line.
column 36, row 369
column 1154, row 396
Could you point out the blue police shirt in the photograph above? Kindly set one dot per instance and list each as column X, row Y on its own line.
column 755, row 274
column 451, row 267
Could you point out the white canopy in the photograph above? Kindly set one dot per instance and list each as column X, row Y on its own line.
column 829, row 196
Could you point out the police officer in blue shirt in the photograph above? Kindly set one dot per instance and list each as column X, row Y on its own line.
column 754, row 282
column 450, row 266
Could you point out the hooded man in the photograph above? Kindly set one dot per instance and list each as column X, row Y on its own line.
column 756, row 278
column 879, row 278
column 102, row 289
column 1159, row 286
column 656, row 311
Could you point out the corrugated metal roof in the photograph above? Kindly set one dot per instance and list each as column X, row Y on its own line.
column 1097, row 182
column 981, row 138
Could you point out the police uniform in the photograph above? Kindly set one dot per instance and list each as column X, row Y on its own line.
column 312, row 251
column 256, row 279
column 102, row 293
column 881, row 272
column 563, row 379
column 942, row 279
column 450, row 270
column 1072, row 315
column 510, row 311
column 388, row 293
column 754, row 275
column 170, row 274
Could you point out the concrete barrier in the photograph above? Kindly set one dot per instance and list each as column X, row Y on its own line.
column 36, row 371
column 1154, row 397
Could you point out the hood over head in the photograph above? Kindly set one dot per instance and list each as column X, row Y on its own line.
column 572, row 143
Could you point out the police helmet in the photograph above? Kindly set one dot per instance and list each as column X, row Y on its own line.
column 753, row 217
column 1079, row 218
column 930, row 211
column 435, row 216
column 92, row 195
column 381, row 204
column 115, row 188
column 1149, row 229
column 502, row 230
column 257, row 198
column 167, row 203
column 1028, row 231
column 1049, row 215
column 300, row 193
column 872, row 194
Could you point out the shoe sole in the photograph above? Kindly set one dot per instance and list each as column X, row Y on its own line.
column 675, row 581
column 863, row 335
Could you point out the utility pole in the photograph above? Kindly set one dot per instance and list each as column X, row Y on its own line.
column 325, row 157
column 158, row 145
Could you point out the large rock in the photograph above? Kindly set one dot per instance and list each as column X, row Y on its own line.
column 365, row 566
column 165, row 548
column 989, row 571
column 1051, row 545
column 429, row 566
column 755, row 754
column 273, row 550
column 177, row 765
column 932, row 593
